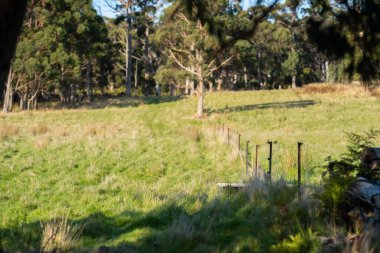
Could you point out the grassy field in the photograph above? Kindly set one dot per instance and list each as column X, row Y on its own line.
column 139, row 175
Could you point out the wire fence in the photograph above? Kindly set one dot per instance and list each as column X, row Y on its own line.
column 272, row 160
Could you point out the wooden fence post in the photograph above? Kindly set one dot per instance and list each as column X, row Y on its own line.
column 257, row 160
column 247, row 159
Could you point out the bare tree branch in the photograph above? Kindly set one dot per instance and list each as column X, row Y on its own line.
column 180, row 64
column 222, row 64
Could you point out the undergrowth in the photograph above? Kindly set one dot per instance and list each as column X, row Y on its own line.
column 343, row 171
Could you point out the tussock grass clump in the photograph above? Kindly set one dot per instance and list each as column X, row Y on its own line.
column 346, row 89
column 91, row 131
column 7, row 130
column 62, row 132
column 59, row 235
column 195, row 134
column 39, row 129
column 325, row 88
column 375, row 92
column 181, row 228
column 94, row 130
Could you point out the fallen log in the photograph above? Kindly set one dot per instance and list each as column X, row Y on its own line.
column 371, row 158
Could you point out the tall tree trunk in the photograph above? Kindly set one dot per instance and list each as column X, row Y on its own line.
column 200, row 97
column 147, row 60
column 199, row 72
column 64, row 90
column 192, row 83
column 211, row 83
column 128, row 56
column 235, row 82
column 294, row 84
column 172, row 89
column 327, row 69
column 259, row 70
column 136, row 74
column 211, row 86
column 192, row 88
column 245, row 77
column 22, row 103
column 112, row 82
column 220, row 84
column 89, row 80
column 8, row 96
column 187, row 86
column 35, row 104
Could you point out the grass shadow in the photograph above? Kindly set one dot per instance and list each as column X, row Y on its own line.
column 248, row 221
column 115, row 102
column 287, row 105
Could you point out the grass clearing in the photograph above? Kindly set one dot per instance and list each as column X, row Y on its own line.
column 140, row 174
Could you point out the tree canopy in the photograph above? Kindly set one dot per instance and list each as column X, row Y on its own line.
column 67, row 52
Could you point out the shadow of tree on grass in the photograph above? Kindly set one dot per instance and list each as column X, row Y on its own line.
column 289, row 104
column 248, row 221
column 116, row 102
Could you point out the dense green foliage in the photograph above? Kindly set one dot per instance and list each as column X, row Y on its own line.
column 350, row 30
column 61, row 43
column 68, row 52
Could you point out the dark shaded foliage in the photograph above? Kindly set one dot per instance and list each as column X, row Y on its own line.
column 197, row 9
column 345, row 28
column 11, row 16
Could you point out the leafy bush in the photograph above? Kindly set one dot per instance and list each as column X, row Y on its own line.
column 342, row 172
column 306, row 241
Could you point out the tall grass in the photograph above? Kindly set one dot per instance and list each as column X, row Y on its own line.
column 142, row 173
column 8, row 130
column 59, row 235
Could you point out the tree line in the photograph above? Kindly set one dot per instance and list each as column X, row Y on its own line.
column 67, row 52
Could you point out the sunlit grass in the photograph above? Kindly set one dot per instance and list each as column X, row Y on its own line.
column 128, row 159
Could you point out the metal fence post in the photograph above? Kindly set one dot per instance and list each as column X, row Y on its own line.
column 270, row 160
column 299, row 169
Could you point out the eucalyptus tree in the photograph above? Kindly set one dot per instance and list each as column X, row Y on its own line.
column 59, row 41
column 93, row 46
column 129, row 12
column 192, row 47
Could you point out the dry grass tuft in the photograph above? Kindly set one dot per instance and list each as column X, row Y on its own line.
column 348, row 89
column 323, row 88
column 62, row 132
column 288, row 161
column 195, row 134
column 42, row 143
column 39, row 129
column 375, row 92
column 92, row 130
column 7, row 131
column 59, row 235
